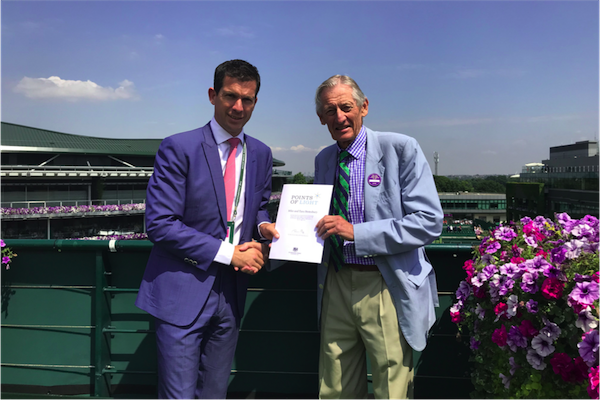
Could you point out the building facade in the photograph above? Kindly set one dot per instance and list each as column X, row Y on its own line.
column 567, row 182
column 51, row 177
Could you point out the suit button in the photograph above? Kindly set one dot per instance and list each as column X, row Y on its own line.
column 195, row 262
column 186, row 259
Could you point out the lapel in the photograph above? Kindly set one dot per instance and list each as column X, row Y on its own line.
column 331, row 166
column 373, row 165
column 249, row 175
column 211, row 152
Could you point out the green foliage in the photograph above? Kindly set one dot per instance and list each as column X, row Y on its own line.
column 489, row 184
column 299, row 178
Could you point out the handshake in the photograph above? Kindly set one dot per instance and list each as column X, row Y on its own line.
column 250, row 257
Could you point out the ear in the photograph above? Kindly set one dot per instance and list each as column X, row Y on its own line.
column 211, row 95
column 365, row 108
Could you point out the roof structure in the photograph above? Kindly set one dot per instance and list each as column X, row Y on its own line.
column 26, row 139
column 21, row 138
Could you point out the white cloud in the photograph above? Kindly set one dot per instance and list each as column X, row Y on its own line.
column 298, row 149
column 240, row 31
column 57, row 88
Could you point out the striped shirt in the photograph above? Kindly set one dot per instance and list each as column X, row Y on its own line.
column 356, row 207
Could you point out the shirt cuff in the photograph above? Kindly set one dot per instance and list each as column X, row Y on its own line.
column 225, row 253
column 259, row 232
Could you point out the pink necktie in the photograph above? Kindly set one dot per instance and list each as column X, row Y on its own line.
column 229, row 176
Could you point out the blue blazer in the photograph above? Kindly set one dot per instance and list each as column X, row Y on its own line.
column 186, row 220
column 402, row 215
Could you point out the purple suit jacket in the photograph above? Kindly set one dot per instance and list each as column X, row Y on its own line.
column 186, row 221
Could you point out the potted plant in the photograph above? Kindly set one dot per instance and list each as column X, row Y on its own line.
column 530, row 306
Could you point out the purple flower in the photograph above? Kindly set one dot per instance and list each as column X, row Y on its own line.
column 478, row 279
column 557, row 255
column 512, row 304
column 551, row 330
column 542, row 344
column 535, row 360
column 509, row 269
column 525, row 220
column 505, row 233
column 513, row 365
column 584, row 292
column 487, row 259
column 505, row 380
column 583, row 230
column 463, row 291
column 574, row 248
column 5, row 260
column 2, row 244
column 588, row 348
column 528, row 282
column 532, row 306
column 489, row 271
column 474, row 344
column 516, row 339
column 492, row 247
column 530, row 240
column 562, row 218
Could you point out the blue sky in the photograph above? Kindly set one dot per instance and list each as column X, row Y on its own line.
column 489, row 85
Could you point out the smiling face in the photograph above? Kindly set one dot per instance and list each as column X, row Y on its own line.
column 341, row 114
column 233, row 104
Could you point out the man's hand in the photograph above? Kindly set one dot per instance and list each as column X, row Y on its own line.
column 268, row 231
column 248, row 258
column 335, row 225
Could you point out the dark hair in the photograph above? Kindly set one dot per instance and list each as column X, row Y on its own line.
column 238, row 69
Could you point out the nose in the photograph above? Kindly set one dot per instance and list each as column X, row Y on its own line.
column 238, row 106
column 340, row 116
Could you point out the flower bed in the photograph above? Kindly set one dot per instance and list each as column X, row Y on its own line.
column 530, row 306
column 7, row 254
column 71, row 209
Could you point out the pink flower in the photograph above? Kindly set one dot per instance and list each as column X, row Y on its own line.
column 499, row 336
column 500, row 308
column 541, row 253
column 455, row 316
column 527, row 329
column 594, row 380
column 552, row 288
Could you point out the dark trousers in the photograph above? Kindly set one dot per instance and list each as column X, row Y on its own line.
column 194, row 361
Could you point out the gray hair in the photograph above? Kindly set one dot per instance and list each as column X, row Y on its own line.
column 357, row 94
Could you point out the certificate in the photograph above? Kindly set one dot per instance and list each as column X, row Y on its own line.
column 300, row 208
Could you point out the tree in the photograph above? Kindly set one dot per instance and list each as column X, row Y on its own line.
column 299, row 178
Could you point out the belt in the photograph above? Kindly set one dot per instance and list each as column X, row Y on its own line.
column 362, row 268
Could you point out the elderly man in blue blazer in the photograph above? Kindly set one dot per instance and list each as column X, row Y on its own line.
column 197, row 274
column 376, row 287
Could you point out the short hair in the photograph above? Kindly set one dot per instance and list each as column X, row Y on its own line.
column 357, row 94
column 238, row 69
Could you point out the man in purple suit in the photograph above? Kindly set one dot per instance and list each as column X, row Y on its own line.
column 197, row 274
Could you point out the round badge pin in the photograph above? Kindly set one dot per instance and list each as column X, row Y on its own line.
column 374, row 180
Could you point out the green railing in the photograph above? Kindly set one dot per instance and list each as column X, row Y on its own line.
column 69, row 326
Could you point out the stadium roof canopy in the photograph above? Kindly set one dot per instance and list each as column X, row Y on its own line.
column 25, row 139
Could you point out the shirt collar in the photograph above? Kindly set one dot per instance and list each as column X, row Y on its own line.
column 358, row 145
column 220, row 134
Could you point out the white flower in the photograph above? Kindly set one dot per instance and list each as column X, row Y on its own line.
column 586, row 321
column 542, row 344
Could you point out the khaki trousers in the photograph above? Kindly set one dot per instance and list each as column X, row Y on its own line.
column 358, row 316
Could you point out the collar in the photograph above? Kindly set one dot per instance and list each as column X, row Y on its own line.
column 358, row 145
column 221, row 135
